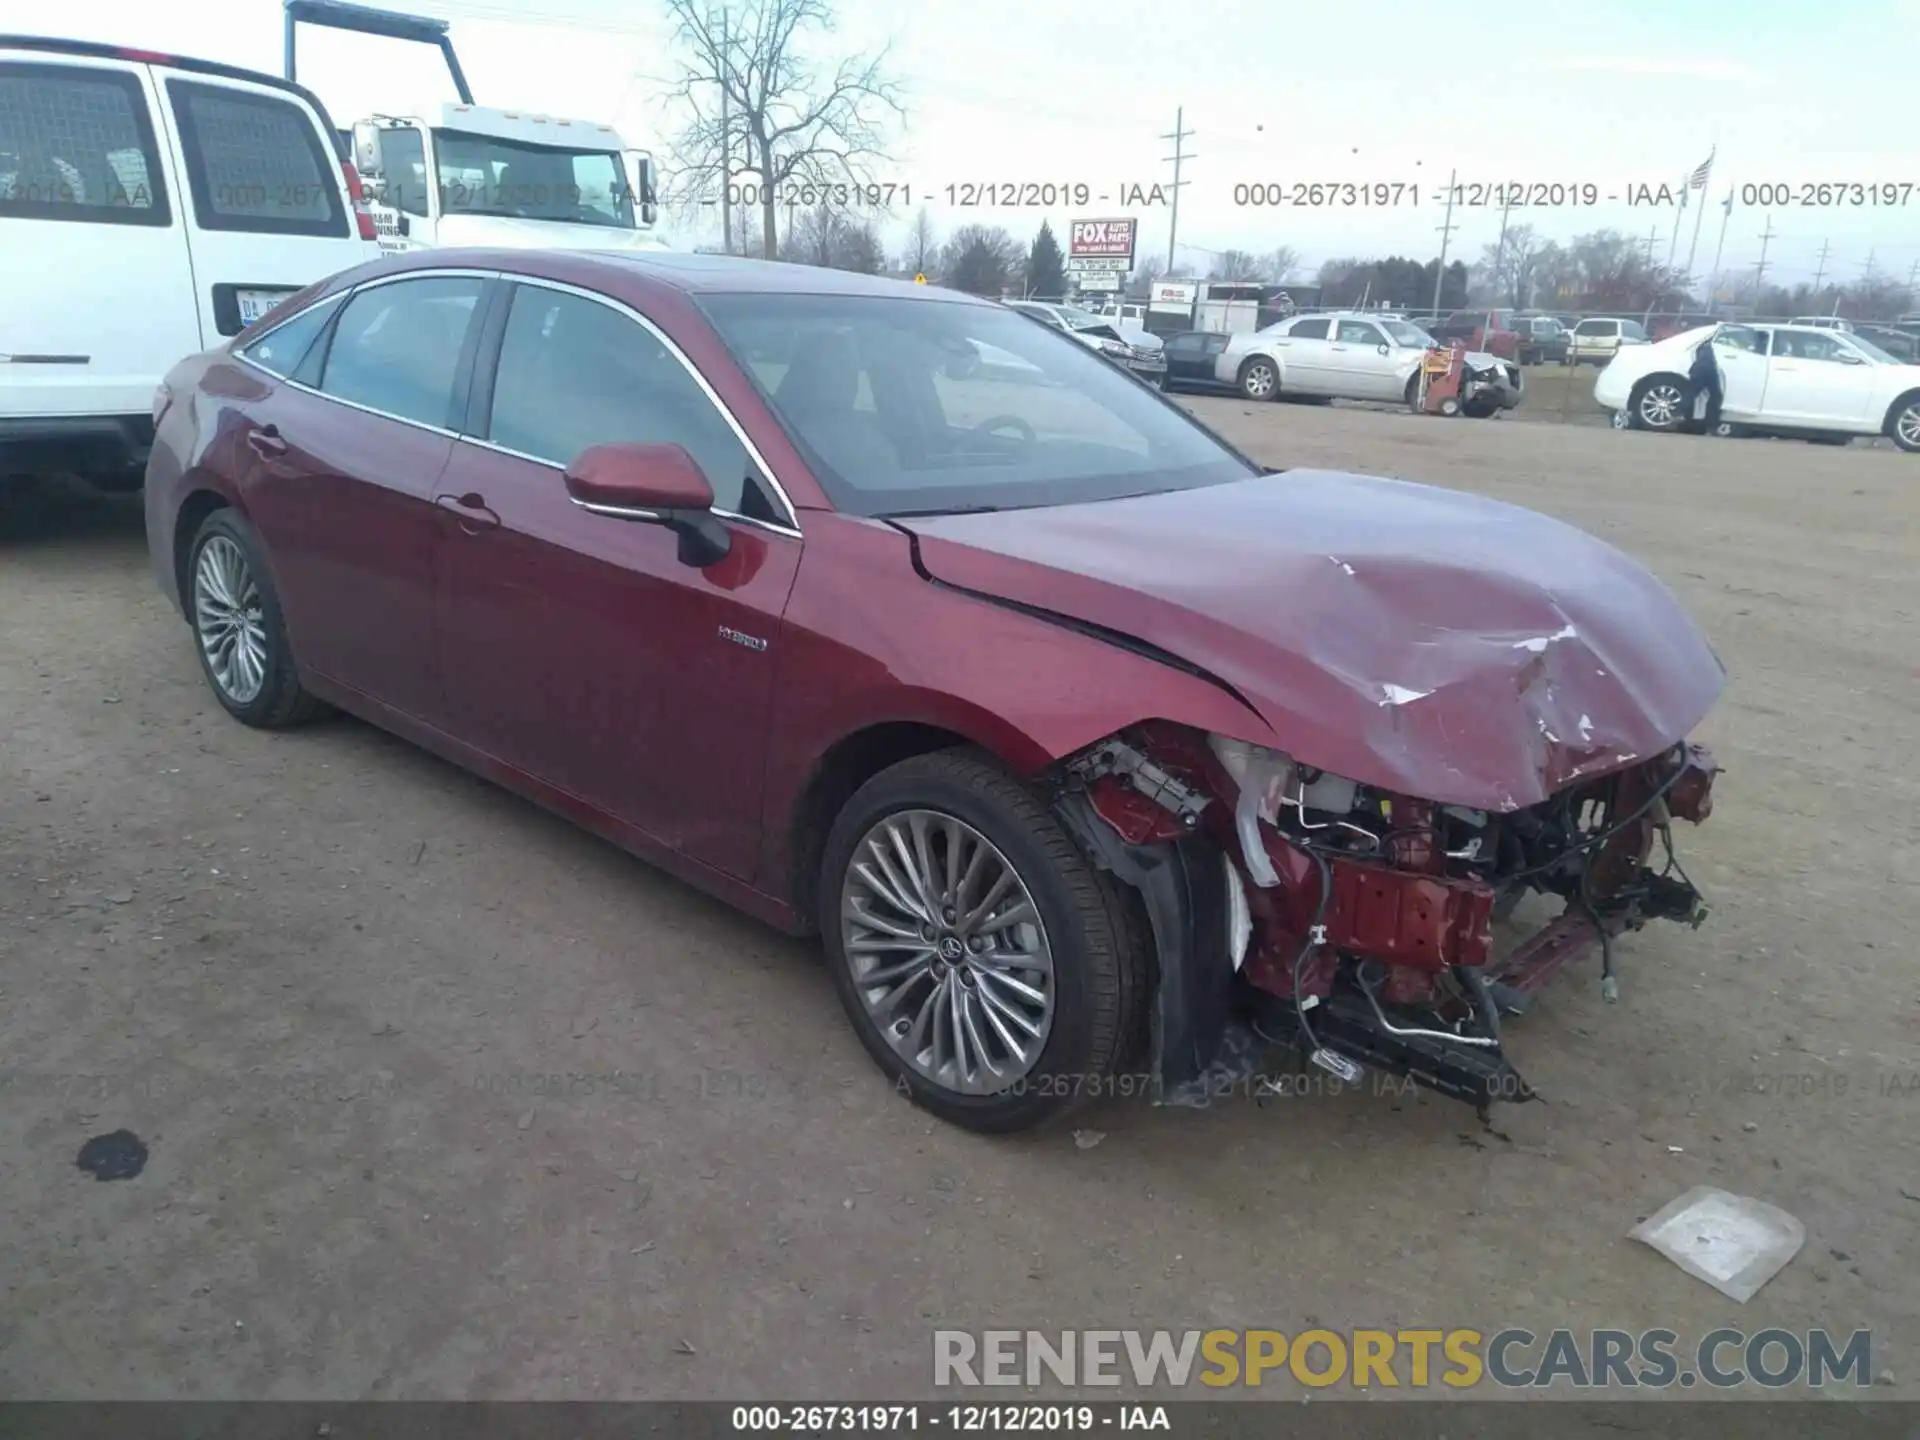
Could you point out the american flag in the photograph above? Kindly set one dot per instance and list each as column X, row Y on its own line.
column 1698, row 180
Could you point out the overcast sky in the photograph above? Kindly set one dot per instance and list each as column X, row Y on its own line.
column 1611, row 94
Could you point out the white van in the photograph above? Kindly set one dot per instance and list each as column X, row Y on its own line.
column 149, row 206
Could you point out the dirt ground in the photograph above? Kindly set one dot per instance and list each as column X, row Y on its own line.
column 326, row 978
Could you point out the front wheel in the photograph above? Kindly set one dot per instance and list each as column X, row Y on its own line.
column 1259, row 379
column 987, row 967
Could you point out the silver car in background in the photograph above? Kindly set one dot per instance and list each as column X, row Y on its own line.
column 1348, row 355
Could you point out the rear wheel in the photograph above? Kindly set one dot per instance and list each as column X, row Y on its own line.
column 238, row 630
column 1903, row 422
column 1658, row 402
column 1259, row 379
column 985, row 964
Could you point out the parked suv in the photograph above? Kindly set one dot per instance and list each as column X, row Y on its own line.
column 1495, row 332
column 1542, row 338
column 1598, row 338
column 158, row 204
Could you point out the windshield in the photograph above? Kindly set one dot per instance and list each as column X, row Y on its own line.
column 1078, row 318
column 906, row 406
column 1872, row 351
column 481, row 175
column 1407, row 334
column 1633, row 330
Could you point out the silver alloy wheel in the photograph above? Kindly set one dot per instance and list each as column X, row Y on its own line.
column 1660, row 406
column 1261, row 380
column 948, row 951
column 1622, row 420
column 228, row 620
column 1907, row 427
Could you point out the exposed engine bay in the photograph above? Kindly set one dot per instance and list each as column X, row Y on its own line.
column 1291, row 906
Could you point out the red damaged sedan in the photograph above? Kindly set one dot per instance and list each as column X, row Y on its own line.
column 1089, row 747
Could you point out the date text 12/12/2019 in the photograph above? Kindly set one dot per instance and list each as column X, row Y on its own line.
column 966, row 195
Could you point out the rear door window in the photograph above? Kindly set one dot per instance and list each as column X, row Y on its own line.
column 1308, row 330
column 256, row 162
column 397, row 347
column 76, row 143
column 282, row 348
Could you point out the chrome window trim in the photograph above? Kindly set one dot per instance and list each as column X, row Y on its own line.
column 344, row 296
column 459, row 272
column 792, row 524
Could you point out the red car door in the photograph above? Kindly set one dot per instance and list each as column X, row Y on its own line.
column 577, row 647
column 342, row 463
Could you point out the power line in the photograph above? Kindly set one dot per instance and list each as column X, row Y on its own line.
column 1179, row 137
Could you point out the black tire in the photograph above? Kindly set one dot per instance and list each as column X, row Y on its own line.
column 1412, row 393
column 1639, row 405
column 281, row 700
column 1253, row 386
column 1903, row 422
column 1100, row 945
column 1480, row 409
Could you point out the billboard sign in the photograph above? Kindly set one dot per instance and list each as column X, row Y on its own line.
column 1101, row 237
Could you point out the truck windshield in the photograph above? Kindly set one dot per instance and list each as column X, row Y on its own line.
column 485, row 175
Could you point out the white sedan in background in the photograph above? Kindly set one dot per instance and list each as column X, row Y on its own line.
column 1347, row 355
column 1792, row 380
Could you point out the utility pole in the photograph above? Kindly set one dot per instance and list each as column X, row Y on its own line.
column 1653, row 239
column 1760, row 269
column 1820, row 273
column 1500, row 248
column 726, row 146
column 1446, row 234
column 1180, row 136
column 1713, row 282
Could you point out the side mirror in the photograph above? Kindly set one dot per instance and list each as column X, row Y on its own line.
column 654, row 485
column 1847, row 357
column 1386, row 349
column 366, row 152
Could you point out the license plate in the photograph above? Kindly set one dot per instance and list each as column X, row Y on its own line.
column 255, row 303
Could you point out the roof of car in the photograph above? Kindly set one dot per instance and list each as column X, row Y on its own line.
column 713, row 274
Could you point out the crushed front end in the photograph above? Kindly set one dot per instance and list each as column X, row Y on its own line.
column 1292, row 906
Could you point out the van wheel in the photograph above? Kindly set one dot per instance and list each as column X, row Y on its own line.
column 987, row 967
column 238, row 630
column 1259, row 379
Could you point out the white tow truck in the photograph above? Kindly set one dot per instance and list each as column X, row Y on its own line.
column 480, row 175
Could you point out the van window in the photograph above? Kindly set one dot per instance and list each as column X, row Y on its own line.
column 397, row 347
column 256, row 163
column 76, row 143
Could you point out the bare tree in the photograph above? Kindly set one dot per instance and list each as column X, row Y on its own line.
column 788, row 119
column 1234, row 265
column 1280, row 262
column 981, row 259
column 923, row 245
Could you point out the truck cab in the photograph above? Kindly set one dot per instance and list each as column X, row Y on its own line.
column 479, row 175
column 484, row 176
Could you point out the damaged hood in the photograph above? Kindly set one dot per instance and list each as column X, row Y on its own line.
column 1426, row 641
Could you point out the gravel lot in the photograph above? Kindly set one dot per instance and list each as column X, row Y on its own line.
column 320, row 974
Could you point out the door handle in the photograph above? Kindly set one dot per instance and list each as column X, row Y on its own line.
column 470, row 510
column 266, row 442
